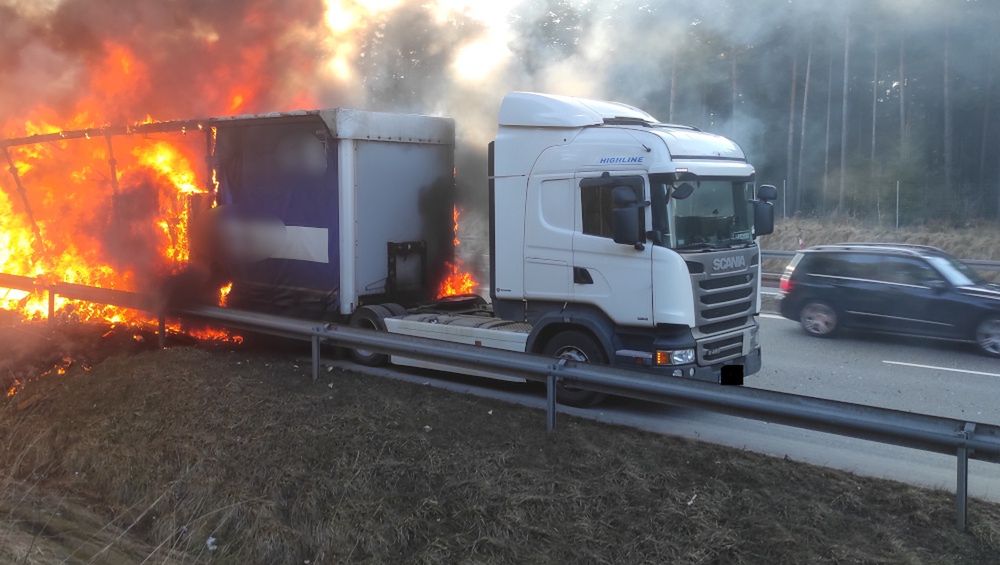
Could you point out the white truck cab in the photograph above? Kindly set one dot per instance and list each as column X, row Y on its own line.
column 636, row 232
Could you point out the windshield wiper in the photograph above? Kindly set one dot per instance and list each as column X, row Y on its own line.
column 724, row 244
column 734, row 242
column 695, row 247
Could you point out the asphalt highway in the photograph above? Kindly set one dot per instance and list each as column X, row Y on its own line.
column 929, row 377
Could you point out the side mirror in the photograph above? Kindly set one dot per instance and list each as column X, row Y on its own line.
column 767, row 192
column 763, row 218
column 938, row 286
column 625, row 217
column 682, row 191
column 626, row 225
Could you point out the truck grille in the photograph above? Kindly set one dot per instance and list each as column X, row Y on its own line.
column 725, row 282
column 719, row 327
column 725, row 348
column 725, row 301
column 724, row 311
column 727, row 296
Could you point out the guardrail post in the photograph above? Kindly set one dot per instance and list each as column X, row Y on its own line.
column 962, row 484
column 550, row 403
column 315, row 357
column 551, row 396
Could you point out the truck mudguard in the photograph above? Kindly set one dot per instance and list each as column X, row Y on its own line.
column 549, row 318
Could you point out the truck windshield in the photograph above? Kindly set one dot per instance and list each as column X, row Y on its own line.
column 716, row 215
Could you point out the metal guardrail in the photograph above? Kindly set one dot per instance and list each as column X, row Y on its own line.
column 963, row 439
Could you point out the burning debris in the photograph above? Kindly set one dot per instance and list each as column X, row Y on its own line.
column 121, row 227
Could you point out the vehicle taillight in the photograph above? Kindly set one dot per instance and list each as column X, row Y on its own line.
column 786, row 284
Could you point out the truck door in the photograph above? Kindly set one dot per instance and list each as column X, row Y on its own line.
column 548, row 239
column 617, row 278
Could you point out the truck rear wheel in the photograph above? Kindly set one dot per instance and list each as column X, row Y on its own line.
column 576, row 346
column 370, row 318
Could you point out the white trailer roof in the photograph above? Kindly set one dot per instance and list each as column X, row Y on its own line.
column 530, row 109
column 348, row 123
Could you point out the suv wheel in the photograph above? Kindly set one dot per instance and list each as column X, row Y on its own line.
column 818, row 319
column 988, row 336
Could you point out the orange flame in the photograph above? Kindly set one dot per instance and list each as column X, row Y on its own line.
column 110, row 213
column 458, row 281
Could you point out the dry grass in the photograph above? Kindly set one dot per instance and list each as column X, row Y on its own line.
column 980, row 241
column 40, row 524
column 187, row 444
column 972, row 242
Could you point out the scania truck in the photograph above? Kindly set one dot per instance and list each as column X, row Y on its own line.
column 613, row 238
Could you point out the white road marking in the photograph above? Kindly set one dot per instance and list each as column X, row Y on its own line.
column 950, row 369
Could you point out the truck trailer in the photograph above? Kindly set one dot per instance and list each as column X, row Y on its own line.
column 613, row 238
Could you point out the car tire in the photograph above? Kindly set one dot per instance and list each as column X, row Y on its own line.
column 580, row 347
column 370, row 318
column 988, row 336
column 819, row 319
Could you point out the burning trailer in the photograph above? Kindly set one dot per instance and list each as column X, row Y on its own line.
column 262, row 227
column 614, row 238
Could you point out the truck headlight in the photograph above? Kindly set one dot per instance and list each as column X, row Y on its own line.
column 679, row 357
column 755, row 338
column 682, row 357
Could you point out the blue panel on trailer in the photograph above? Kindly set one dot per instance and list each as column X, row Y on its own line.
column 285, row 171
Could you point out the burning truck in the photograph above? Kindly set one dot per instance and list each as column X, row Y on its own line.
column 614, row 238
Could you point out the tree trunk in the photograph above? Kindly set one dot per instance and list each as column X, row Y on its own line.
column 733, row 91
column 875, row 89
column 829, row 108
column 673, row 87
column 790, row 148
column 902, row 94
column 948, row 142
column 843, row 115
column 987, row 109
column 802, row 127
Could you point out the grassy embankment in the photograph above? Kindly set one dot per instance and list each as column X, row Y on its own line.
column 973, row 242
column 173, row 447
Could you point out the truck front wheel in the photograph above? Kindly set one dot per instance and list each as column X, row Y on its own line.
column 576, row 346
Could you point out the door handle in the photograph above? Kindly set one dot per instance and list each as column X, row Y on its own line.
column 582, row 276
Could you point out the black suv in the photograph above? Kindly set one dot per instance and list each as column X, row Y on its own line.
column 902, row 289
